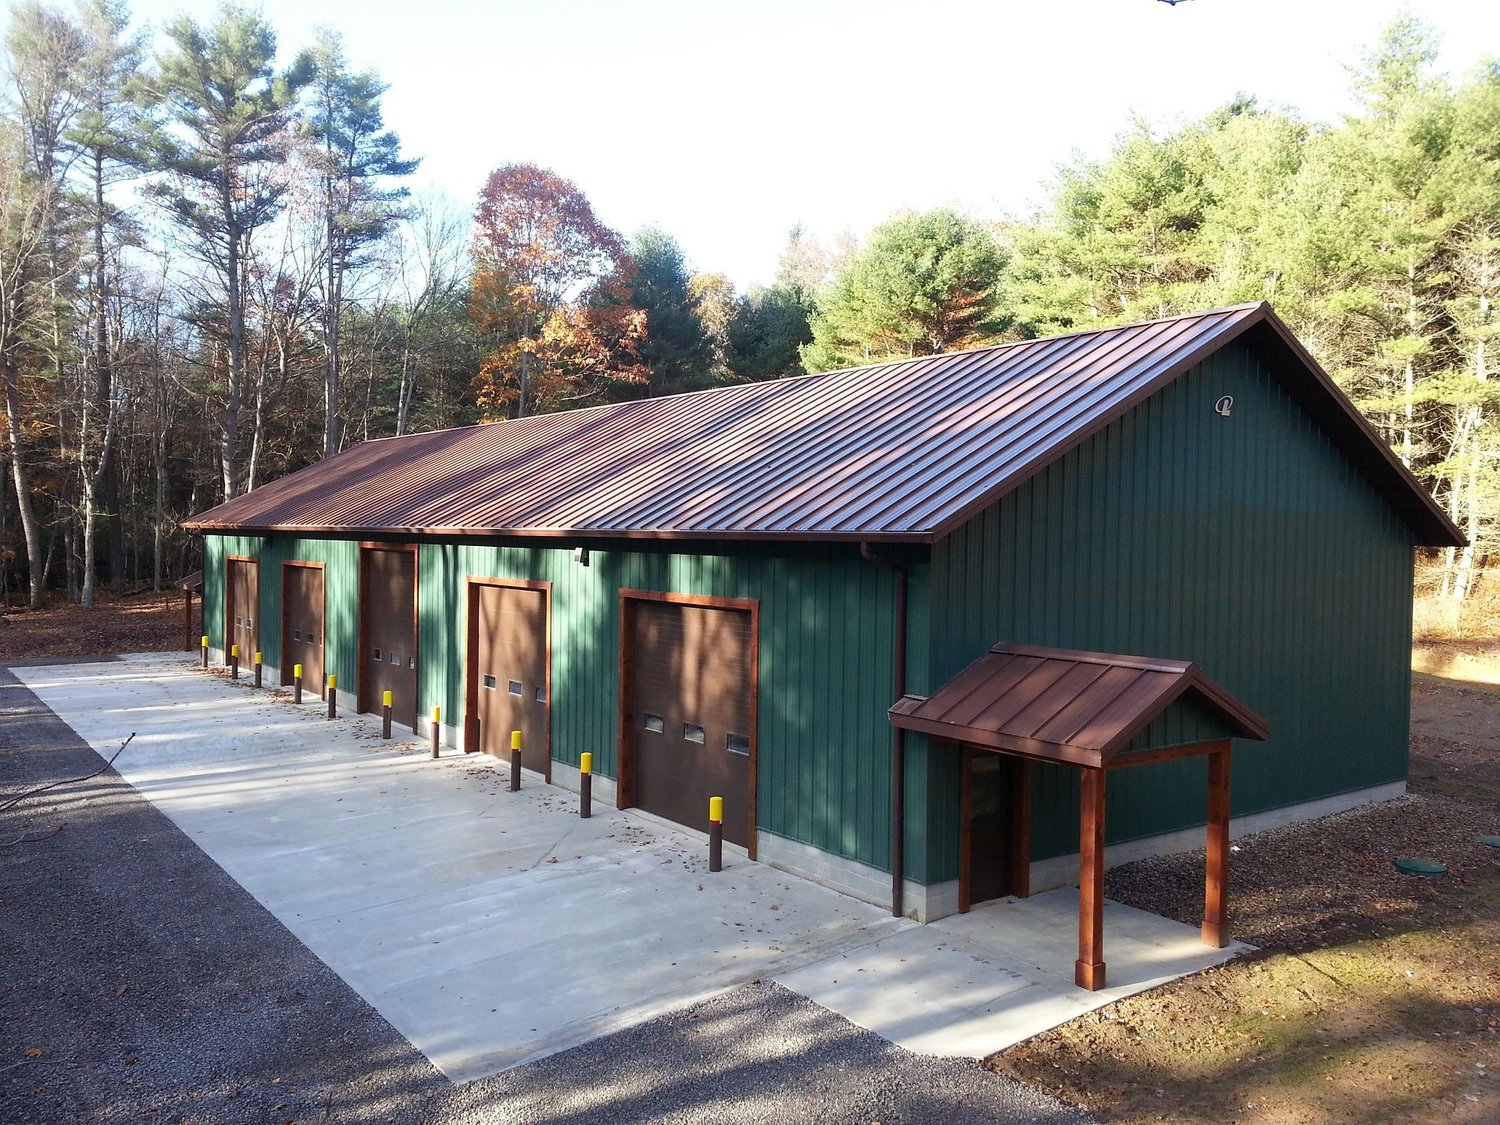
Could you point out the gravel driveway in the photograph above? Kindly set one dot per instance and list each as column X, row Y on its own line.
column 141, row 983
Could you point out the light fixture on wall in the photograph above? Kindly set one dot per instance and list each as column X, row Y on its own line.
column 581, row 556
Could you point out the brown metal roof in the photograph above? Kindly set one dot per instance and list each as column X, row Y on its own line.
column 1062, row 705
column 905, row 450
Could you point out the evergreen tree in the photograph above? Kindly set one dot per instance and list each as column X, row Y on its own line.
column 355, row 153
column 676, row 348
column 229, row 114
column 766, row 334
column 925, row 283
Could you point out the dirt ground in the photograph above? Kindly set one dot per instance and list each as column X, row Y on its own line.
column 1375, row 996
column 143, row 622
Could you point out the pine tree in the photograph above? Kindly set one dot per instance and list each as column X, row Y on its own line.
column 925, row 283
column 229, row 115
column 355, row 154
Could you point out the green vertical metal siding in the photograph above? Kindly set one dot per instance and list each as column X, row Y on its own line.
column 1248, row 544
column 826, row 618
column 825, row 627
column 340, row 559
column 216, row 550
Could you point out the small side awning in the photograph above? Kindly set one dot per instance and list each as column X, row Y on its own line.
column 1086, row 709
column 192, row 583
column 1062, row 705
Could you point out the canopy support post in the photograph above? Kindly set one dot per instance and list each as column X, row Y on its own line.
column 1088, row 970
column 1216, row 867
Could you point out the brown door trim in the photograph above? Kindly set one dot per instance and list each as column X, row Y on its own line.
column 362, row 690
column 229, row 606
column 471, row 640
column 624, row 749
column 286, row 669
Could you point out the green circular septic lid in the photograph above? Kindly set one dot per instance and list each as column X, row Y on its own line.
column 1428, row 867
column 1490, row 841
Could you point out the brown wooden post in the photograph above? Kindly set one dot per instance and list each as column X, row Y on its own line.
column 1216, row 873
column 966, row 831
column 187, row 621
column 1088, row 970
column 1020, row 820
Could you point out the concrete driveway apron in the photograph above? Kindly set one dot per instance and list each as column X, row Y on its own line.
column 492, row 928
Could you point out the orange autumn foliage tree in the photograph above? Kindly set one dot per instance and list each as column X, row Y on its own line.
column 590, row 350
column 537, row 248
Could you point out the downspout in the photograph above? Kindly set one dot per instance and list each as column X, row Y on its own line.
column 898, row 736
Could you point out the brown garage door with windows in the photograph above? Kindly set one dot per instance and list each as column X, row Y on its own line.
column 242, row 608
column 302, row 623
column 508, row 683
column 688, row 710
column 388, row 630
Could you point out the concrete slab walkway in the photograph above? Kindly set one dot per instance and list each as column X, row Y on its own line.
column 492, row 928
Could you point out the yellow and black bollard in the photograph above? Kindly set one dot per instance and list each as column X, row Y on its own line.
column 296, row 683
column 585, row 785
column 205, row 651
column 385, row 718
column 515, row 760
column 333, row 695
column 716, row 833
column 437, row 729
column 234, row 662
column 257, row 669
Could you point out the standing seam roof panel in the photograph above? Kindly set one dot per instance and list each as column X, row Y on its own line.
column 900, row 450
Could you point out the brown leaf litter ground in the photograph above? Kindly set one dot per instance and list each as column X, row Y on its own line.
column 144, row 622
column 1375, row 996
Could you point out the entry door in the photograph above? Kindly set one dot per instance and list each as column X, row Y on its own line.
column 508, row 685
column 302, row 624
column 996, row 848
column 388, row 612
column 242, row 608
column 690, row 713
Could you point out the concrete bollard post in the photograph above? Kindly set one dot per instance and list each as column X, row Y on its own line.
column 205, row 651
column 385, row 719
column 296, row 683
column 333, row 695
column 234, row 662
column 515, row 760
column 585, row 785
column 716, row 833
column 437, row 729
column 257, row 669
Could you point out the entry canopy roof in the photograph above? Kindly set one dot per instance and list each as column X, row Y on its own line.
column 1061, row 705
column 901, row 451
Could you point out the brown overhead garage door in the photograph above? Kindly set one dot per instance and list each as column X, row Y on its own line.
column 689, row 710
column 388, row 631
column 302, row 623
column 242, row 608
column 508, row 686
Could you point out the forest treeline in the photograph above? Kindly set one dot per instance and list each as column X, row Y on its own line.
column 211, row 274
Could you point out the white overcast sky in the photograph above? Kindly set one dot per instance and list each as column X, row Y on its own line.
column 728, row 122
